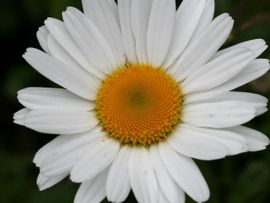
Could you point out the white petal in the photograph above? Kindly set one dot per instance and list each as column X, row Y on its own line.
column 52, row 98
column 254, row 70
column 60, row 156
column 114, row 8
column 49, row 148
column 201, row 49
column 140, row 12
column 190, row 143
column 187, row 19
column 206, row 18
column 118, row 184
column 76, row 80
column 168, row 186
column 90, row 7
column 62, row 164
column 160, row 31
column 102, row 15
column 124, row 8
column 218, row 71
column 42, row 35
column 233, row 142
column 58, row 30
column 19, row 116
column 142, row 178
column 257, row 101
column 218, row 115
column 185, row 172
column 62, row 55
column 58, row 52
column 60, row 122
column 90, row 40
column 45, row 182
column 93, row 191
column 162, row 198
column 99, row 156
column 256, row 140
column 257, row 46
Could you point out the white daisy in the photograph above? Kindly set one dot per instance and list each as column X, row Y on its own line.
column 145, row 90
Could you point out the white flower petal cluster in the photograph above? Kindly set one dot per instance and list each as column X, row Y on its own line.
column 80, row 51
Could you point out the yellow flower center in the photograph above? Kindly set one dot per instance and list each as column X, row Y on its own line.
column 139, row 105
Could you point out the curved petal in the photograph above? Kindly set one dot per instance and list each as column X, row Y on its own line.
column 75, row 80
column 233, row 142
column 99, row 156
column 62, row 163
column 190, row 143
column 167, row 185
column 185, row 172
column 90, row 40
column 89, row 8
column 256, row 140
column 160, row 31
column 61, row 154
column 42, row 35
column 19, row 116
column 93, row 190
column 101, row 13
column 52, row 98
column 142, row 178
column 201, row 49
column 60, row 122
column 206, row 18
column 118, row 184
column 124, row 9
column 50, row 147
column 229, row 143
column 187, row 19
column 45, row 182
column 218, row 115
column 252, row 71
column 218, row 71
column 257, row 46
column 60, row 33
column 58, row 52
column 258, row 102
column 140, row 13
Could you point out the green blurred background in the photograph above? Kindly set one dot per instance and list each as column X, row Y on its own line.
column 240, row 179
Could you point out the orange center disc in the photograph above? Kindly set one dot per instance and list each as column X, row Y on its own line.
column 139, row 105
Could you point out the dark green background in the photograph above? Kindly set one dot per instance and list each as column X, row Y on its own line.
column 240, row 179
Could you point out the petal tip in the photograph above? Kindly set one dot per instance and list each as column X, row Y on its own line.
column 75, row 178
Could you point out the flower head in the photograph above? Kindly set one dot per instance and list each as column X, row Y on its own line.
column 145, row 90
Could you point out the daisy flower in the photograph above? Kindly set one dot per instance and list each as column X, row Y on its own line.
column 145, row 89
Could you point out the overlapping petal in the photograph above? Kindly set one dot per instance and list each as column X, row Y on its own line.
column 92, row 190
column 104, row 15
column 99, row 155
column 218, row 114
column 74, row 79
column 142, row 178
column 160, row 30
column 84, row 49
column 202, row 48
column 118, row 183
column 185, row 173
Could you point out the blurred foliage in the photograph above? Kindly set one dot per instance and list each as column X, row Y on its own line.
column 241, row 179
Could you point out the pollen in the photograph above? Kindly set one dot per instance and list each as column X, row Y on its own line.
column 139, row 105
